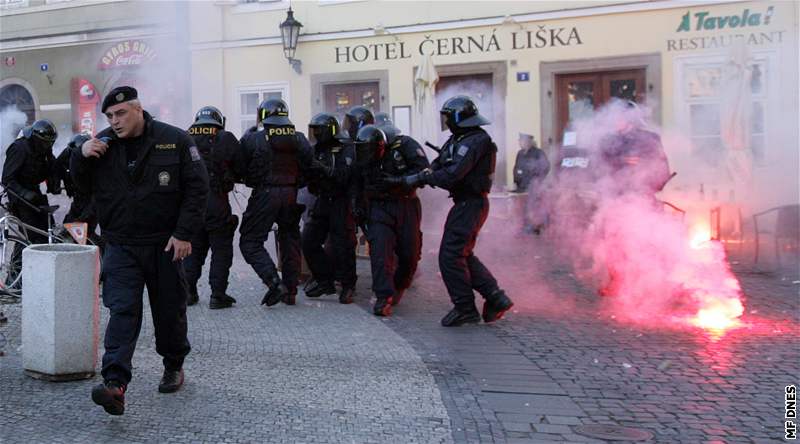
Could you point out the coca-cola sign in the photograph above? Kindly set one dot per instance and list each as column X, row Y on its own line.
column 126, row 53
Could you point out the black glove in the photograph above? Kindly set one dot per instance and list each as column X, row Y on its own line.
column 321, row 168
column 30, row 195
column 419, row 179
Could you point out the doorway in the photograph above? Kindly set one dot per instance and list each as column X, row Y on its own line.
column 579, row 94
column 340, row 97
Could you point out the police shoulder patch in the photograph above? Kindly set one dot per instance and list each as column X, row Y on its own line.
column 462, row 150
column 194, row 154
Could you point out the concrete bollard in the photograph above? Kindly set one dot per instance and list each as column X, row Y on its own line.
column 60, row 311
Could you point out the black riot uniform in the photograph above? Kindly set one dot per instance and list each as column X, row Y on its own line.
column 274, row 158
column 81, row 209
column 29, row 162
column 146, row 189
column 393, row 212
column 221, row 154
column 330, row 180
column 465, row 167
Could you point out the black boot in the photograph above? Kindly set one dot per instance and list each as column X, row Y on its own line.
column 290, row 298
column 192, row 298
column 171, row 381
column 383, row 307
column 111, row 396
column 458, row 317
column 220, row 300
column 319, row 288
column 397, row 296
column 275, row 294
column 496, row 305
column 346, row 295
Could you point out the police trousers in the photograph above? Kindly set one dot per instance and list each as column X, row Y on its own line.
column 220, row 242
column 461, row 270
column 331, row 216
column 269, row 205
column 395, row 243
column 127, row 270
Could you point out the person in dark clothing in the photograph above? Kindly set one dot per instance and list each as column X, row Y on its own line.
column 393, row 213
column 149, row 186
column 634, row 159
column 465, row 167
column 330, row 180
column 530, row 169
column 275, row 157
column 29, row 162
column 220, row 151
column 81, row 209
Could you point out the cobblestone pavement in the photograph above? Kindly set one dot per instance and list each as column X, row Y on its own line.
column 316, row 372
column 322, row 372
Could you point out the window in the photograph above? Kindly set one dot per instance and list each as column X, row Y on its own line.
column 251, row 96
column 12, row 4
column 704, row 101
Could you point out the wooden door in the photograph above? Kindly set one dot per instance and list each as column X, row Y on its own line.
column 340, row 97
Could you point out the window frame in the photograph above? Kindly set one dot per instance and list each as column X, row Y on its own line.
column 770, row 88
column 262, row 89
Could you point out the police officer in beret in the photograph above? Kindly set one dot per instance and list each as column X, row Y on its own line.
column 150, row 187
column 275, row 157
column 465, row 167
column 221, row 153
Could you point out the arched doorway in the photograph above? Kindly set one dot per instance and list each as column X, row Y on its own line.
column 19, row 96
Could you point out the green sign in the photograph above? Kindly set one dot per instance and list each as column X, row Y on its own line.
column 704, row 21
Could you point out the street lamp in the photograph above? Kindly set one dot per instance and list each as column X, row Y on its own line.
column 290, row 31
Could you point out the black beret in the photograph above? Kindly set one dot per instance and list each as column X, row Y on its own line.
column 119, row 95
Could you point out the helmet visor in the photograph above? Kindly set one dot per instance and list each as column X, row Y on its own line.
column 443, row 118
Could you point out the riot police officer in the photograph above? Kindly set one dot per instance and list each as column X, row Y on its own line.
column 274, row 157
column 81, row 209
column 393, row 213
column 29, row 162
column 356, row 118
column 220, row 151
column 330, row 180
column 465, row 167
column 149, row 185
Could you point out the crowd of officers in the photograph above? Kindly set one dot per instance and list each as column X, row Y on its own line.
column 149, row 185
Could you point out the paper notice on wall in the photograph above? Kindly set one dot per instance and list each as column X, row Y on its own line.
column 570, row 138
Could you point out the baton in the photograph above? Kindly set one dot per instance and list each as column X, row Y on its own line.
column 433, row 147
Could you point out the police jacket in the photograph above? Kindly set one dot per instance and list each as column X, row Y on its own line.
column 530, row 164
column 163, row 195
column 403, row 156
column 274, row 156
column 26, row 166
column 635, row 160
column 221, row 154
column 338, row 182
column 465, row 165
column 81, row 207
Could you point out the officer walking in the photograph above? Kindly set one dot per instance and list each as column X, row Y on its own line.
column 330, row 180
column 465, row 167
column 29, row 162
column 150, row 186
column 393, row 212
column 274, row 157
column 221, row 152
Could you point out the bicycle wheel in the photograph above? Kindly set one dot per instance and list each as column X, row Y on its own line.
column 11, row 268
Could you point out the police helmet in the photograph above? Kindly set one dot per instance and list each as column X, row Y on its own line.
column 210, row 115
column 274, row 112
column 461, row 112
column 357, row 118
column 43, row 130
column 323, row 128
column 78, row 140
column 370, row 144
column 384, row 122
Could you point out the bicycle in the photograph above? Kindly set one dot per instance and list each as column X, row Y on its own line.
column 15, row 237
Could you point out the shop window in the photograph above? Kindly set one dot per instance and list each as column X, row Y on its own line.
column 704, row 98
column 251, row 97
